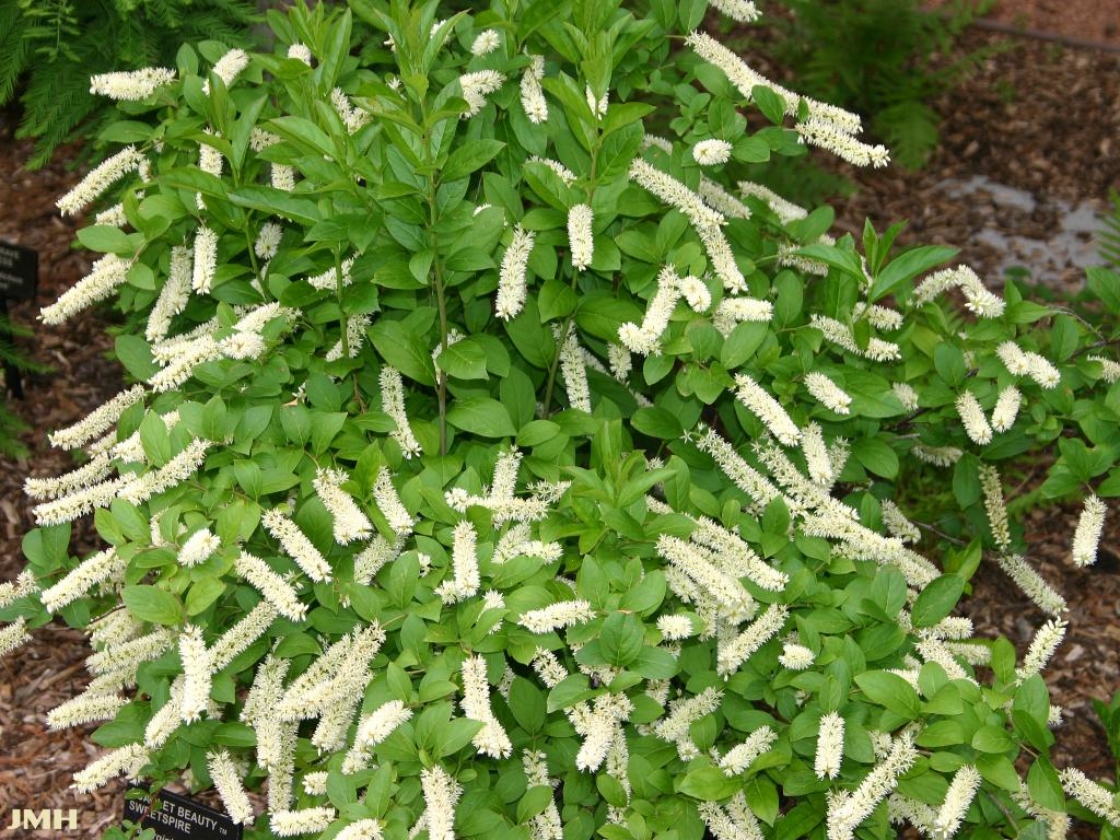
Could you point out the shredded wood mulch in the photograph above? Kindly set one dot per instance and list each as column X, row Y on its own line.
column 1040, row 117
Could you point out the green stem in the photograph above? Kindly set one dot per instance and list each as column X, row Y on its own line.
column 441, row 303
column 341, row 310
column 546, row 403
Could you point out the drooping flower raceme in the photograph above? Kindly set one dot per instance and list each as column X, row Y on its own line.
column 1093, row 796
column 973, row 419
column 492, row 739
column 197, row 672
column 846, row 814
column 580, row 237
column 1087, row 536
column 106, row 174
column 962, row 790
column 392, row 403
column 512, row 288
column 711, row 152
column 349, row 523
column 796, row 657
column 994, row 506
column 1032, row 584
column 205, row 260
column 198, row 547
column 108, row 274
column 1042, row 648
column 465, row 580
column 227, row 780
column 1006, row 409
column 95, row 569
column 828, row 393
column 562, row 614
column 830, row 746
column 297, row 545
column 477, row 86
column 645, row 338
column 131, row 85
column 441, row 792
column 228, row 68
column 739, row 758
column 532, row 95
column 758, row 400
column 743, row 11
column 485, row 42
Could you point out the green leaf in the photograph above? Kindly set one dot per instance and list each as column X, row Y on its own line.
column 556, row 300
column 620, row 639
column 304, row 134
column 949, row 361
column 470, row 157
column 657, row 422
column 568, row 692
column 998, row 770
column 876, row 456
column 527, row 702
column 1105, row 284
column 403, row 350
column 203, row 593
column 482, row 416
column 891, row 692
column 106, row 239
column 992, row 739
column 535, row 800
column 708, row 784
column 276, row 202
column 1045, row 786
column 655, row 663
column 136, row 356
column 148, row 603
column 937, row 600
column 906, row 267
column 771, row 104
column 464, row 360
column 601, row 314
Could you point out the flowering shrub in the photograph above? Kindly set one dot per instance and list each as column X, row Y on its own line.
column 497, row 467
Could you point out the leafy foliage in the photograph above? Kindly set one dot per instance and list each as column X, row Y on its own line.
column 1110, row 234
column 12, row 358
column 49, row 48
column 496, row 470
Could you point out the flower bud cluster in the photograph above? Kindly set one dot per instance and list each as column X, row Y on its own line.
column 1087, row 536
column 90, row 188
column 492, row 739
column 131, row 85
column 392, row 403
column 740, row 757
column 512, row 277
column 977, row 298
column 532, row 95
column 848, row 811
column 477, row 86
column 465, row 579
column 349, row 523
column 441, row 793
column 108, row 274
column 830, row 746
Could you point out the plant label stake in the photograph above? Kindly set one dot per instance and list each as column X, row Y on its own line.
column 176, row 817
column 19, row 275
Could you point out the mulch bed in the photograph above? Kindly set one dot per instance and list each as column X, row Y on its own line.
column 1038, row 116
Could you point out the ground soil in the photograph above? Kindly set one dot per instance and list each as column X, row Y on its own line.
column 1041, row 115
